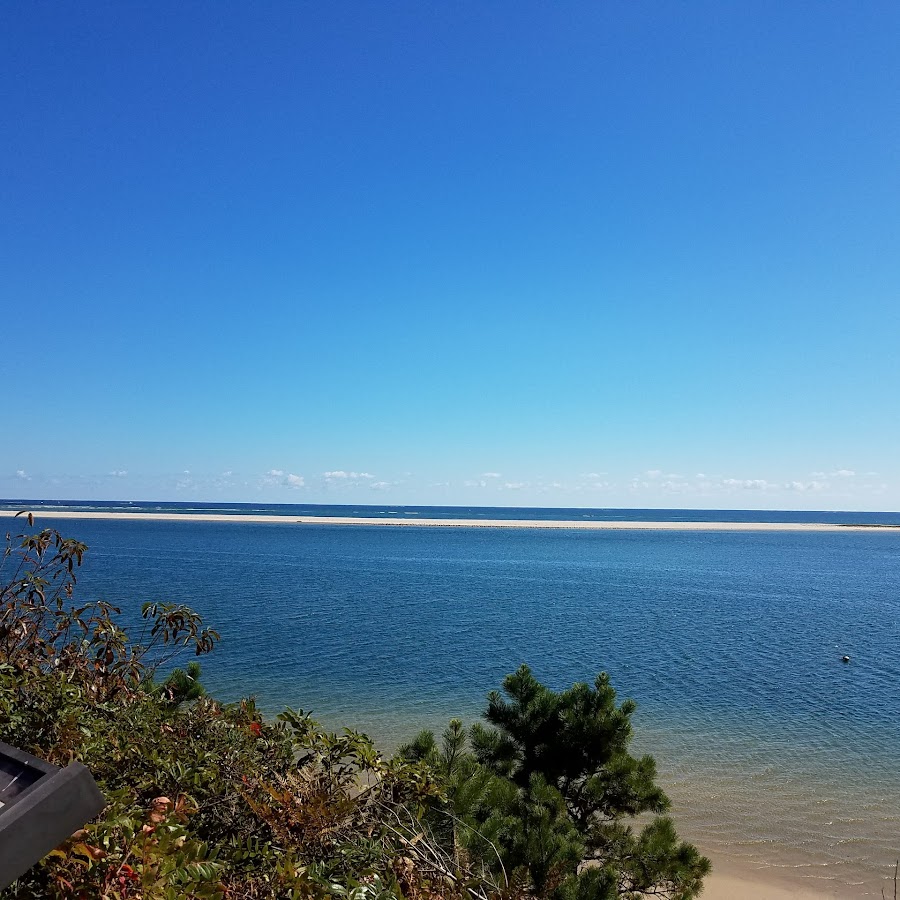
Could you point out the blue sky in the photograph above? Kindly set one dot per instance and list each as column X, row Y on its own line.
column 581, row 254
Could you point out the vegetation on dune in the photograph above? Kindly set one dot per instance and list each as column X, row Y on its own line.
column 210, row 800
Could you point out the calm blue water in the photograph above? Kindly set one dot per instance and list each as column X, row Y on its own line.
column 773, row 749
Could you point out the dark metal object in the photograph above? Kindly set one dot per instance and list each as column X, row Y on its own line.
column 40, row 806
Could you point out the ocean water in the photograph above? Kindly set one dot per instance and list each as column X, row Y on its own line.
column 773, row 750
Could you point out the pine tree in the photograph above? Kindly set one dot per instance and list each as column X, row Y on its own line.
column 183, row 685
column 561, row 791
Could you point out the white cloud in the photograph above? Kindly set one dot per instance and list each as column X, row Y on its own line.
column 118, row 473
column 491, row 475
column 380, row 485
column 515, row 485
column 805, row 486
column 341, row 475
column 283, row 479
column 592, row 481
column 700, row 484
column 839, row 482
column 747, row 484
column 837, row 473
column 471, row 483
column 22, row 475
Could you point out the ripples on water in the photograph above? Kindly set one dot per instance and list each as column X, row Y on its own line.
column 772, row 749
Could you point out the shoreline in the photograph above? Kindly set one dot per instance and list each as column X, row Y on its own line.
column 461, row 523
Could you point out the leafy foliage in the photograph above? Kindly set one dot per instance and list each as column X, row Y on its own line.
column 210, row 800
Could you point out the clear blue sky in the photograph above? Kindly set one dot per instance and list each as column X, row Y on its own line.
column 511, row 253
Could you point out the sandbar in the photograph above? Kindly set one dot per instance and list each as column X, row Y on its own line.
column 417, row 522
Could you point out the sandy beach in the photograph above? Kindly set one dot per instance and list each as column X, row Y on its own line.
column 736, row 881
column 463, row 523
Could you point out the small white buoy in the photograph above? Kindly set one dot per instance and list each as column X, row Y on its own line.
column 845, row 659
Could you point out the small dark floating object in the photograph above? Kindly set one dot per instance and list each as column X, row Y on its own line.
column 845, row 659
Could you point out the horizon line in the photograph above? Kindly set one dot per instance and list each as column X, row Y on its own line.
column 19, row 500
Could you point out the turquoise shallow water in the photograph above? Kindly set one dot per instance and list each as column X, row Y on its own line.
column 773, row 749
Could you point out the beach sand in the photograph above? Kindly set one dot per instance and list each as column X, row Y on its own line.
column 465, row 523
column 734, row 881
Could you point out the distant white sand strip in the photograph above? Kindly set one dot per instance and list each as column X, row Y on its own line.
column 588, row 525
